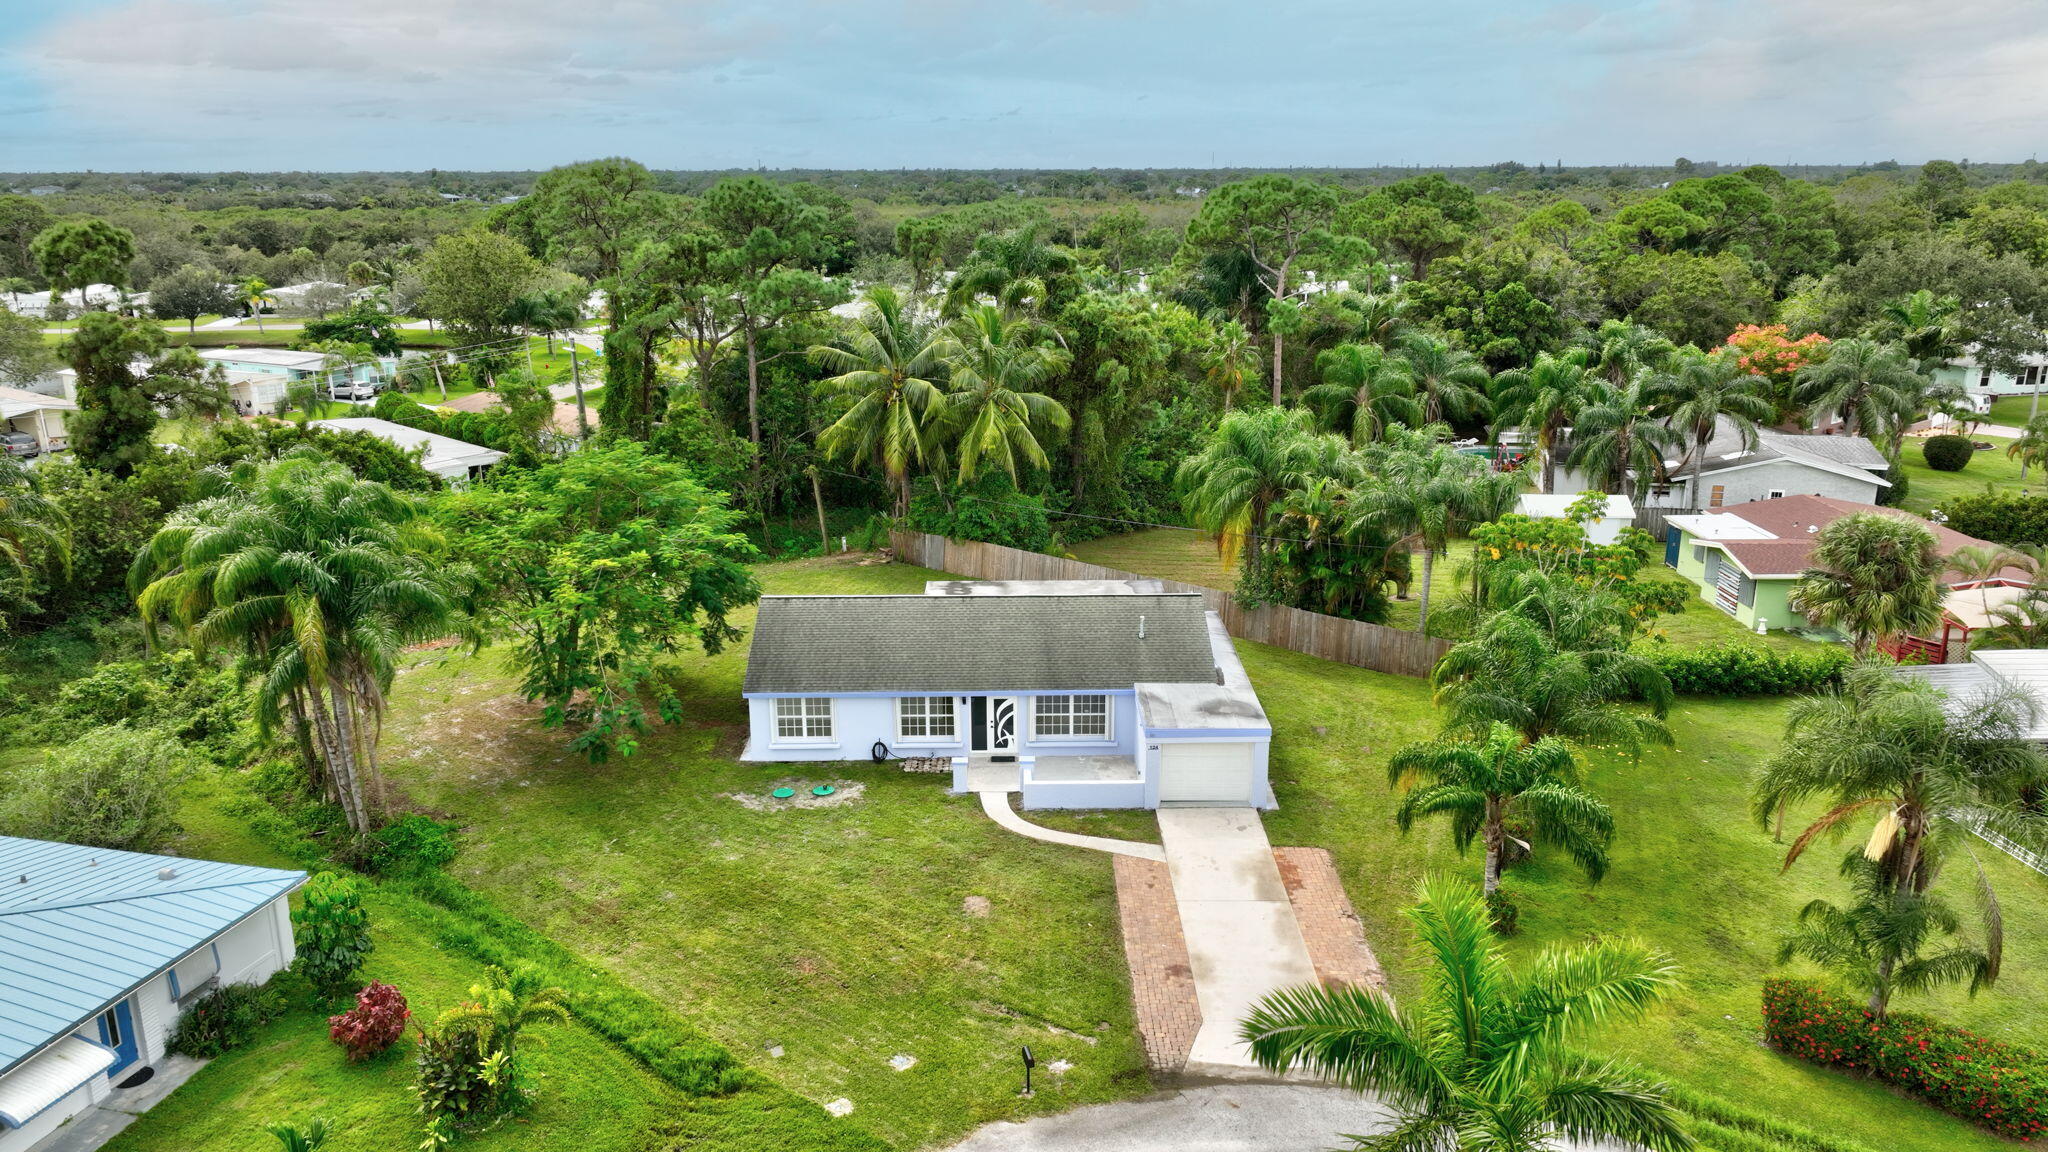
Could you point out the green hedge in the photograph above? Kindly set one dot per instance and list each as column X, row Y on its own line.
column 2002, row 518
column 1740, row 669
column 2002, row 1087
column 1947, row 453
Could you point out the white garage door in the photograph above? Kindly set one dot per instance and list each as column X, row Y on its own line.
column 1205, row 773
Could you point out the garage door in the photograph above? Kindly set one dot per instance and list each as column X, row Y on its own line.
column 1205, row 773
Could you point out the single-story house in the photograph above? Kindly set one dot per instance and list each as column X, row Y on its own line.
column 2021, row 672
column 101, row 952
column 101, row 296
column 1617, row 513
column 1095, row 694
column 36, row 414
column 1778, row 464
column 446, row 457
column 1978, row 380
column 1745, row 560
column 289, row 363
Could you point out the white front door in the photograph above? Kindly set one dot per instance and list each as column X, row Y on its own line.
column 1002, row 723
column 1214, row 773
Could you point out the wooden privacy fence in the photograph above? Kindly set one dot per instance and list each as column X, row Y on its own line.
column 1353, row 642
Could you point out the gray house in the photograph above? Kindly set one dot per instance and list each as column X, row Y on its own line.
column 1778, row 464
column 1098, row 694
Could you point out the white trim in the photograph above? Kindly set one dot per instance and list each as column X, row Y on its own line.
column 1108, row 735
column 1793, row 456
column 952, row 714
column 777, row 740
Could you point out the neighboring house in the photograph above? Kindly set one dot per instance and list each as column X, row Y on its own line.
column 451, row 459
column 37, row 304
column 1617, row 513
column 1745, row 560
column 1976, row 380
column 38, row 415
column 101, row 952
column 2021, row 672
column 258, row 393
column 286, row 362
column 1778, row 464
column 1082, row 694
column 259, row 377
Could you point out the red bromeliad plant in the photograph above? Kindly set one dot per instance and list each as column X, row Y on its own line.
column 374, row 1024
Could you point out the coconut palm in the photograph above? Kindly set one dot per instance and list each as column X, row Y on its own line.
column 1877, row 943
column 1617, row 443
column 1483, row 1057
column 884, row 364
column 1623, row 351
column 1253, row 460
column 1427, row 492
column 1542, row 400
column 1926, row 769
column 2031, row 446
column 30, row 523
column 1512, row 672
column 1450, row 382
column 1701, row 394
column 1231, row 359
column 1871, row 575
column 1873, row 388
column 316, row 580
column 1021, row 273
column 1364, row 389
column 1483, row 786
column 994, row 412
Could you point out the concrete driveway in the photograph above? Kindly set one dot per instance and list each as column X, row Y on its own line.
column 1219, row 1118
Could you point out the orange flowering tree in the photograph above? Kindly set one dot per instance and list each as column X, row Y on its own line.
column 1765, row 350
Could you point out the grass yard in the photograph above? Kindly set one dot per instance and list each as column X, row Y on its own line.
column 838, row 934
column 2011, row 411
column 1991, row 469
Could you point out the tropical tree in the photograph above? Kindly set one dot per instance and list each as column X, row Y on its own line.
column 1364, row 389
column 1702, row 394
column 1542, row 400
column 2031, row 446
column 253, row 293
column 2022, row 623
column 1450, row 382
column 994, row 412
column 1622, row 350
column 1878, row 943
column 1427, row 492
column 504, row 1005
column 1231, row 359
column 32, row 526
column 1325, row 558
column 1925, row 326
column 1871, row 575
column 1483, row 1057
column 1512, row 672
column 1617, row 442
column 1873, row 388
column 316, row 580
column 1486, row 785
column 1021, row 273
column 1382, row 320
column 1254, row 459
column 884, row 364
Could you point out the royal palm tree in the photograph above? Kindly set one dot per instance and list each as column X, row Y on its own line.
column 1231, row 360
column 1617, row 443
column 1512, row 672
column 1698, row 396
column 884, row 364
column 1873, row 388
column 1877, row 942
column 1542, row 400
column 993, row 411
column 1450, row 382
column 317, row 580
column 30, row 523
column 1623, row 351
column 2031, row 446
column 1482, row 786
column 1427, row 492
column 1364, row 389
column 1253, row 460
column 1873, row 576
column 1482, row 1057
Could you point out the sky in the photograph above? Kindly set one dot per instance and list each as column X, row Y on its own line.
column 343, row 85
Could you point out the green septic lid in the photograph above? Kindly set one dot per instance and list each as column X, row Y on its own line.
column 783, row 793
column 822, row 790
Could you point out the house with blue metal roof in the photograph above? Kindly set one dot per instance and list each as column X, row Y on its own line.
column 101, row 952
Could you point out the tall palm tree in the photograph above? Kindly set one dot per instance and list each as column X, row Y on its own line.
column 1873, row 576
column 1872, row 387
column 1617, row 442
column 884, row 365
column 994, row 412
column 1542, row 400
column 1017, row 270
column 1925, row 768
column 1483, row 786
column 1925, row 325
column 1623, row 351
column 254, row 292
column 2031, row 446
column 29, row 521
column 1383, row 320
column 1701, row 394
column 1877, row 942
column 1511, row 672
column 1254, row 459
column 1364, row 389
column 1231, row 360
column 1427, row 492
column 1450, row 382
column 317, row 580
column 1483, row 1056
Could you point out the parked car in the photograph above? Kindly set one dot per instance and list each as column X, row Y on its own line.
column 19, row 445
column 358, row 390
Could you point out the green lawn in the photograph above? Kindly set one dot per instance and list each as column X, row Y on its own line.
column 1990, row 470
column 2011, row 411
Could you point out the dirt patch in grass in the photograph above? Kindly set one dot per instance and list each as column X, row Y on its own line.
column 844, row 792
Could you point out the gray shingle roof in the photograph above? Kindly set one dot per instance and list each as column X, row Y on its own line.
column 1726, row 450
column 832, row 644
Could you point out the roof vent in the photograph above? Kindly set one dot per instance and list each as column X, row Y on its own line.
column 1141, row 627
column 167, row 873
column 24, row 879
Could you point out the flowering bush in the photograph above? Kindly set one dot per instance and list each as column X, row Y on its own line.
column 1998, row 1086
column 1764, row 350
column 374, row 1024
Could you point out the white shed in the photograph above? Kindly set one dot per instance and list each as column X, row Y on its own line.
column 1616, row 514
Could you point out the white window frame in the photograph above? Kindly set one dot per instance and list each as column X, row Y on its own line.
column 951, row 713
column 805, row 714
column 1040, row 735
column 1775, row 494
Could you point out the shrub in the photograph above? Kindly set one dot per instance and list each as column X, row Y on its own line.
column 1894, row 496
column 333, row 933
column 990, row 509
column 2002, row 518
column 373, row 1025
column 113, row 787
column 459, row 1082
column 1999, row 1086
column 413, row 843
column 1501, row 909
column 224, row 1019
column 1739, row 669
column 1947, row 453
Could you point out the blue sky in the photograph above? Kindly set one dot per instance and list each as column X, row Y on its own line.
column 493, row 84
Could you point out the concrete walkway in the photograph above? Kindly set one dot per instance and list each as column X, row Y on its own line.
column 997, row 804
column 1243, row 940
column 90, row 1129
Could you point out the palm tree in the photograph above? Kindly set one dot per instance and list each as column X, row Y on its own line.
column 884, row 365
column 506, row 1004
column 1483, row 1057
column 1231, row 359
column 993, row 410
column 1451, row 382
column 1930, row 768
column 1872, row 387
column 1426, row 493
column 1699, row 397
column 1363, row 390
column 1873, row 576
column 1876, row 942
column 1542, row 400
column 2031, row 446
column 30, row 522
column 1022, row 274
column 292, row 1138
column 1512, row 672
column 317, row 580
column 1382, row 320
column 1617, row 443
column 1254, row 459
column 1330, row 560
column 1924, row 324
column 2020, row 624
column 253, row 293
column 1623, row 351
column 1483, row 786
